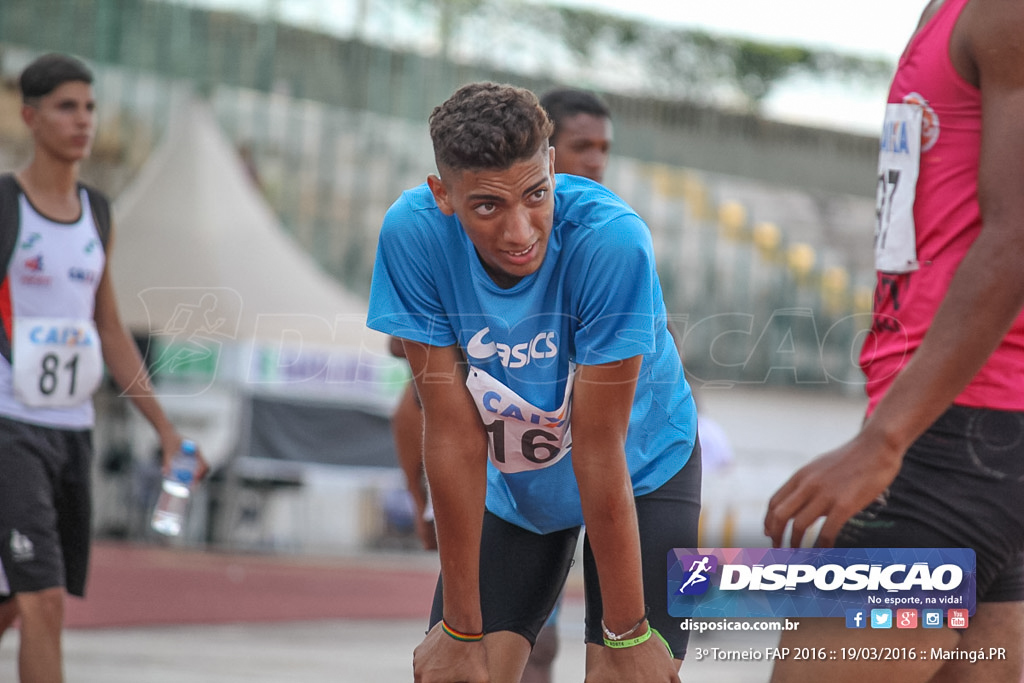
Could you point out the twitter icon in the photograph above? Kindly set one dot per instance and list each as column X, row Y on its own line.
column 881, row 618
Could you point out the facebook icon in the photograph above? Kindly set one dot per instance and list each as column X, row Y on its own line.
column 856, row 618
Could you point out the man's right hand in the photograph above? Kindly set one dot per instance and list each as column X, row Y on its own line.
column 442, row 659
column 836, row 486
column 648, row 662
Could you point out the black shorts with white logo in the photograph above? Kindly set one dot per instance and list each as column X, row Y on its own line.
column 961, row 486
column 522, row 573
column 45, row 507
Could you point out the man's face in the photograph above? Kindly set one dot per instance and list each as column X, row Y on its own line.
column 582, row 146
column 63, row 122
column 506, row 214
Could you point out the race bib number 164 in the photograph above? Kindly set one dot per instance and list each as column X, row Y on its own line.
column 522, row 437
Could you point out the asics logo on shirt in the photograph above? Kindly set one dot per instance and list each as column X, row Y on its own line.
column 514, row 356
column 83, row 275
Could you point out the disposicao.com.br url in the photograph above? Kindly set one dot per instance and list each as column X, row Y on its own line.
column 705, row 625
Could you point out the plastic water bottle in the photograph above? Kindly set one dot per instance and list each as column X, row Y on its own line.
column 171, row 507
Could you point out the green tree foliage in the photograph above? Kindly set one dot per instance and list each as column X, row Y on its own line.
column 619, row 53
column 759, row 65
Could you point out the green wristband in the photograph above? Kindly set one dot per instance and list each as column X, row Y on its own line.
column 662, row 639
column 618, row 644
column 632, row 642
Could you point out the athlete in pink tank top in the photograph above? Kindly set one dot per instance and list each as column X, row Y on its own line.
column 939, row 461
column 946, row 220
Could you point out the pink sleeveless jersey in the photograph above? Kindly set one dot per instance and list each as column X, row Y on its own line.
column 946, row 218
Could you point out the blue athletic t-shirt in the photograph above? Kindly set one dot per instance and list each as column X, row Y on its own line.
column 595, row 299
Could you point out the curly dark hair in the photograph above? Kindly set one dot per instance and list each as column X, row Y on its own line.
column 488, row 126
column 47, row 73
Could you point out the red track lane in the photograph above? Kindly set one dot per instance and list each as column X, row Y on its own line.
column 145, row 585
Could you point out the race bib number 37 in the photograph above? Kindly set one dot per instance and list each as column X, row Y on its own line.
column 899, row 162
column 57, row 361
column 521, row 436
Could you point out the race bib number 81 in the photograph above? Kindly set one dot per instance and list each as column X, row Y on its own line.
column 57, row 361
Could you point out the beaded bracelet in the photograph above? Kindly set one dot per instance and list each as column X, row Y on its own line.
column 461, row 637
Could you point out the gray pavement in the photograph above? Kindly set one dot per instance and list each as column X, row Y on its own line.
column 345, row 651
column 772, row 435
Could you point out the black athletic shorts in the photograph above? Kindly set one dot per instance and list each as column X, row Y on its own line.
column 961, row 486
column 45, row 507
column 522, row 573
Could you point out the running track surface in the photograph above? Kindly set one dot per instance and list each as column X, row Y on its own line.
column 137, row 585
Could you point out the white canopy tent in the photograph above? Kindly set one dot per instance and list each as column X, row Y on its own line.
column 192, row 222
column 201, row 265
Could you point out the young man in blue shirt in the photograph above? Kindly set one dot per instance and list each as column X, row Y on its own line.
column 552, row 393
